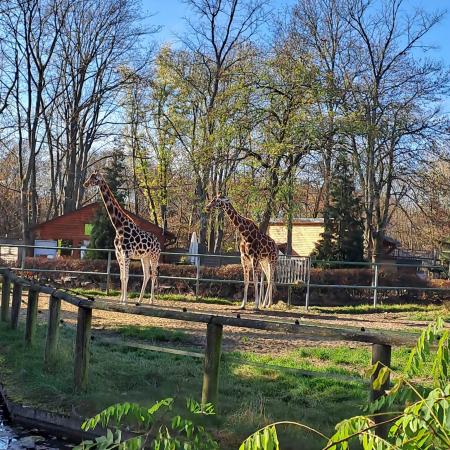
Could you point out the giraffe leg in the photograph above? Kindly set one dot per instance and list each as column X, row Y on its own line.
column 119, row 258
column 246, row 270
column 126, row 270
column 266, row 269
column 154, row 266
column 146, row 274
column 255, row 273
column 261, row 289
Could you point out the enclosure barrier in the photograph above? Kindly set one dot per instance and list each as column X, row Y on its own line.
column 291, row 271
column 382, row 341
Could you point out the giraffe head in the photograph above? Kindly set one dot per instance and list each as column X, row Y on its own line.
column 94, row 179
column 219, row 201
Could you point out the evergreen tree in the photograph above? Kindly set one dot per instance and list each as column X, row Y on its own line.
column 103, row 232
column 342, row 239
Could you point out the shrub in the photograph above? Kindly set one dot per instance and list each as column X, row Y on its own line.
column 233, row 272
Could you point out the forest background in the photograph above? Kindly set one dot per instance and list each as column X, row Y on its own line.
column 253, row 100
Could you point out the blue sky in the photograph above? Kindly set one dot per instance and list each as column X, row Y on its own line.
column 169, row 14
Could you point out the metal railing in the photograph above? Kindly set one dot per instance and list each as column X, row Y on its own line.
column 291, row 271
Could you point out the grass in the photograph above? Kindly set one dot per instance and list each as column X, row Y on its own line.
column 163, row 297
column 152, row 334
column 414, row 311
column 368, row 309
column 250, row 396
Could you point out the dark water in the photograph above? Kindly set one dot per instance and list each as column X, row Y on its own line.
column 18, row 438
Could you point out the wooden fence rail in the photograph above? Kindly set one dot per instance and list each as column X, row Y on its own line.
column 382, row 341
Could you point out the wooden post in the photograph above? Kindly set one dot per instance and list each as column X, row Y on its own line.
column 15, row 307
column 82, row 345
column 211, row 366
column 51, row 342
column 6, row 295
column 32, row 308
column 380, row 353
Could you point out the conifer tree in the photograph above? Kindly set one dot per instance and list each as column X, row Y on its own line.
column 342, row 239
column 103, row 232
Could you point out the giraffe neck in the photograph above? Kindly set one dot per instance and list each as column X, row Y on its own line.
column 244, row 226
column 116, row 213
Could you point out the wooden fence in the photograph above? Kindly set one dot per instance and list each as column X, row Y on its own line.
column 382, row 341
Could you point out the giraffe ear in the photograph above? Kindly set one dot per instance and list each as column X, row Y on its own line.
column 219, row 194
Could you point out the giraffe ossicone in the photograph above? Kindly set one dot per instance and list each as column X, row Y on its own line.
column 259, row 252
column 131, row 242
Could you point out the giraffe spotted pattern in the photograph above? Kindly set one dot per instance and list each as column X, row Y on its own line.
column 259, row 252
column 131, row 242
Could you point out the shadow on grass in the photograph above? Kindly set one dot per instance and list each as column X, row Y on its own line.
column 366, row 309
column 250, row 397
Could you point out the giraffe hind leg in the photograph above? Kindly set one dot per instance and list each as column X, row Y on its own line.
column 266, row 269
column 246, row 269
column 126, row 269
column 154, row 275
column 146, row 274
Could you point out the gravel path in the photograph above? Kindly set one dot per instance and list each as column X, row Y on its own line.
column 239, row 339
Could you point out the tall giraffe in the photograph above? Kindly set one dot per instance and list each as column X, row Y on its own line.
column 130, row 242
column 258, row 251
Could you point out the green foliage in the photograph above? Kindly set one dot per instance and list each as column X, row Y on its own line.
column 418, row 417
column 342, row 239
column 266, row 439
column 103, row 232
column 150, row 428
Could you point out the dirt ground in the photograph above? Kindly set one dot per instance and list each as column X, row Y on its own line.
column 236, row 339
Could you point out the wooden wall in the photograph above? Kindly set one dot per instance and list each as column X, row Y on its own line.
column 304, row 236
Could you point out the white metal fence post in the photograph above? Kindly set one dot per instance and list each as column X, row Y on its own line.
column 108, row 274
column 308, row 279
column 24, row 255
column 197, row 277
column 375, row 284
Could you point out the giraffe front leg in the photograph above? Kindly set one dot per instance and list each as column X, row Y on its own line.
column 126, row 270
column 246, row 283
column 120, row 262
column 246, row 270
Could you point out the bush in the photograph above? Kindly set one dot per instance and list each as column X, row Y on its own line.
column 318, row 296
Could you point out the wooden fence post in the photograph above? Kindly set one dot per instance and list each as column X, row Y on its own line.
column 82, row 345
column 380, row 353
column 6, row 295
column 51, row 342
column 15, row 306
column 212, row 361
column 32, row 308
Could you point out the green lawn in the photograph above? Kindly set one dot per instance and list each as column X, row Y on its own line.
column 254, row 389
column 167, row 297
column 250, row 395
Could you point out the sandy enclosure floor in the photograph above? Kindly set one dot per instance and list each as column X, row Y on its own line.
column 236, row 339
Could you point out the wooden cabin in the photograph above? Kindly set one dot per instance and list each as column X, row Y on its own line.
column 74, row 230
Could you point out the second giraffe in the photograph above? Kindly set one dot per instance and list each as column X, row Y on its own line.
column 258, row 251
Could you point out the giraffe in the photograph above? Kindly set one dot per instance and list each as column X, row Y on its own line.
column 258, row 251
column 130, row 242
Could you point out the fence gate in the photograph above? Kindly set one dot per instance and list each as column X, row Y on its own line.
column 293, row 270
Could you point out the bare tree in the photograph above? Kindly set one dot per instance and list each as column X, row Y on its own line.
column 393, row 101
